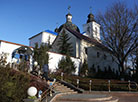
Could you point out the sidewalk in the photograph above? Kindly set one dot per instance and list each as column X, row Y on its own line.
column 122, row 96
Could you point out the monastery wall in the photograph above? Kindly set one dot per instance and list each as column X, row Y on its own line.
column 54, row 58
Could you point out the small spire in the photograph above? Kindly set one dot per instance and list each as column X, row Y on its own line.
column 56, row 30
column 90, row 9
column 69, row 9
column 57, row 25
column 69, row 16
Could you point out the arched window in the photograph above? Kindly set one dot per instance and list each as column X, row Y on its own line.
column 96, row 31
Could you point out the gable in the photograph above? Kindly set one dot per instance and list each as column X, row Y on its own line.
column 89, row 40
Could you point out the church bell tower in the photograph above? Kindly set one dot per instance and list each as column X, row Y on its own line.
column 91, row 28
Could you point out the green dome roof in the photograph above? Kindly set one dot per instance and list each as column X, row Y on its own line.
column 69, row 25
column 90, row 18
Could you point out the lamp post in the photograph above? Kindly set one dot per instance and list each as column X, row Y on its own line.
column 35, row 63
column 77, row 83
column 129, row 85
column 62, row 75
column 90, row 85
column 109, row 84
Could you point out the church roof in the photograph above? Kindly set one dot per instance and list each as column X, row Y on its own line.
column 87, row 39
column 14, row 43
column 48, row 31
column 69, row 25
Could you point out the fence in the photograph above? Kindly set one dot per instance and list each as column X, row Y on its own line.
column 90, row 84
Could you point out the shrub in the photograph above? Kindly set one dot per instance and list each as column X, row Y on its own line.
column 13, row 87
column 66, row 65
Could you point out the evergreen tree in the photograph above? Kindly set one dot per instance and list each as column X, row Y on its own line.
column 64, row 46
column 41, row 55
column 36, row 52
column 66, row 65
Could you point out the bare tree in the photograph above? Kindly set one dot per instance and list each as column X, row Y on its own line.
column 119, row 28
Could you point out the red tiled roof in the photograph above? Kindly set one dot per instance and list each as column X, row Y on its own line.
column 14, row 43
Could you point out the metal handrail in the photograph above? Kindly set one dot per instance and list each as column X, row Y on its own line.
column 45, row 93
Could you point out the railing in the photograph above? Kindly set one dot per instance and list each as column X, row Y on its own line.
column 98, row 84
column 47, row 92
column 109, row 86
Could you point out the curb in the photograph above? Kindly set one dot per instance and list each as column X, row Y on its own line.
column 60, row 94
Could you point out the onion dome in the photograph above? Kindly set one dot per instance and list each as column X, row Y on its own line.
column 68, row 24
column 90, row 18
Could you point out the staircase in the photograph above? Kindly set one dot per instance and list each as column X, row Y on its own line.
column 60, row 88
column 69, row 95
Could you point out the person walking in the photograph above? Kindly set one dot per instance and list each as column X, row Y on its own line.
column 45, row 71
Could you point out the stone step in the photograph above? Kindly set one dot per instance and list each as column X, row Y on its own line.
column 58, row 87
column 63, row 90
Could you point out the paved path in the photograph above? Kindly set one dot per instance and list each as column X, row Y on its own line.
column 126, row 96
column 122, row 96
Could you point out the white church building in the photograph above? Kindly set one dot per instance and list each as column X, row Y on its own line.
column 87, row 46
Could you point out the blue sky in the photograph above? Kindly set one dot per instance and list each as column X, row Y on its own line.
column 21, row 19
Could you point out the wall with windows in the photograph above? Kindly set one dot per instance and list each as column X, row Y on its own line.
column 100, row 58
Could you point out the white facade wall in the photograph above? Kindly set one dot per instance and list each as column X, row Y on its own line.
column 43, row 37
column 54, row 58
column 8, row 48
column 92, row 30
column 48, row 37
column 84, row 50
column 94, row 27
column 36, row 39
column 100, row 61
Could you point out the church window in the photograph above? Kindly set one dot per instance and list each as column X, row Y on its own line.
column 98, row 54
column 96, row 30
column 105, row 57
column 113, row 59
column 86, row 50
column 105, row 69
column 98, row 67
column 93, row 66
column 88, row 29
